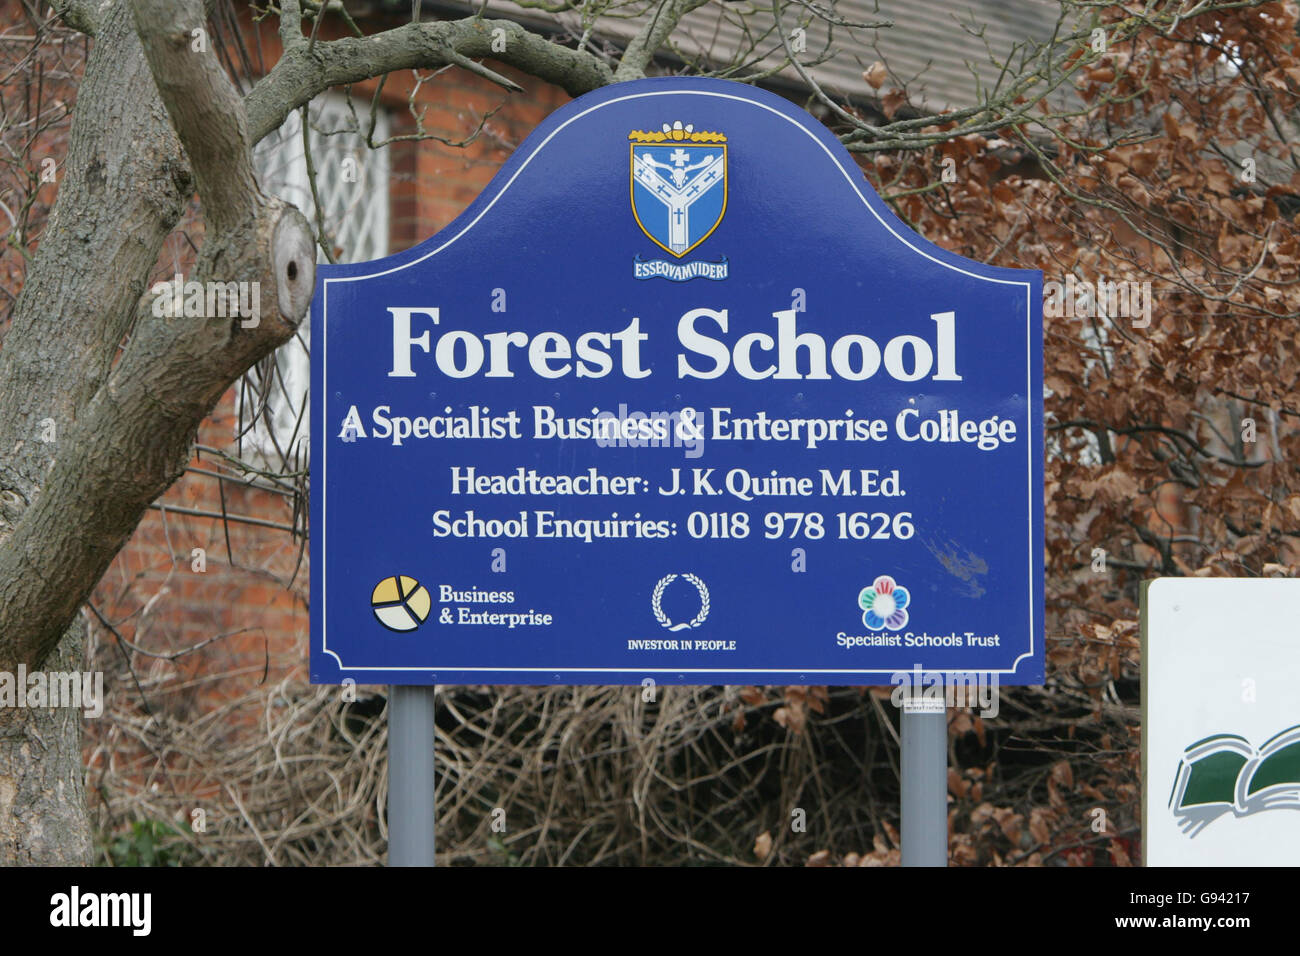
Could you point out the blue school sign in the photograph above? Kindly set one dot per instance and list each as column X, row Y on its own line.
column 677, row 398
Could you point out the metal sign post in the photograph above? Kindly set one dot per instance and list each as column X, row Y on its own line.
column 925, row 784
column 410, row 776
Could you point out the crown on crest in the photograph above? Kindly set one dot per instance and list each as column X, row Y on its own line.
column 676, row 133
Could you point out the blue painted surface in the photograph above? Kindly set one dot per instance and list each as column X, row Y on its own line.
column 801, row 246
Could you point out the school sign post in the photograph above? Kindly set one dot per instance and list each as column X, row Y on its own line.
column 677, row 400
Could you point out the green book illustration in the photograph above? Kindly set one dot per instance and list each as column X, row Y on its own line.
column 1224, row 774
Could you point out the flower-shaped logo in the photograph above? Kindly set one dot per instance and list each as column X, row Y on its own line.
column 884, row 604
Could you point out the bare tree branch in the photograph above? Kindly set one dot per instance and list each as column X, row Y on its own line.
column 652, row 37
column 84, row 16
column 298, row 77
column 203, row 106
column 291, row 24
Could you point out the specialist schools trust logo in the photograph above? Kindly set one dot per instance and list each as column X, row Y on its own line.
column 679, row 196
column 400, row 603
column 884, row 604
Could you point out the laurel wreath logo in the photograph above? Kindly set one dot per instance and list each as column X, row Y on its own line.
column 656, row 602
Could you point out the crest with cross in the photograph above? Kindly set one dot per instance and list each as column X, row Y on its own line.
column 682, row 180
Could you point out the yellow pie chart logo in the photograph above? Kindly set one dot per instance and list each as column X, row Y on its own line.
column 400, row 603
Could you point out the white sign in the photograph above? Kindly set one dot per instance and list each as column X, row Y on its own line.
column 1221, row 722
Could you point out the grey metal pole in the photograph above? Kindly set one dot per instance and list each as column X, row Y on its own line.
column 925, row 785
column 410, row 776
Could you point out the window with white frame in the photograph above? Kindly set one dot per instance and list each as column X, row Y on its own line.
column 351, row 188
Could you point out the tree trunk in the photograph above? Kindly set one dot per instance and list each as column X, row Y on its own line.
column 43, row 816
column 122, row 187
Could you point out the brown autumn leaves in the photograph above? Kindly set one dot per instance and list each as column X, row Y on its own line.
column 1171, row 445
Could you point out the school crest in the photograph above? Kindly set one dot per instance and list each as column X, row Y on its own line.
column 679, row 185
